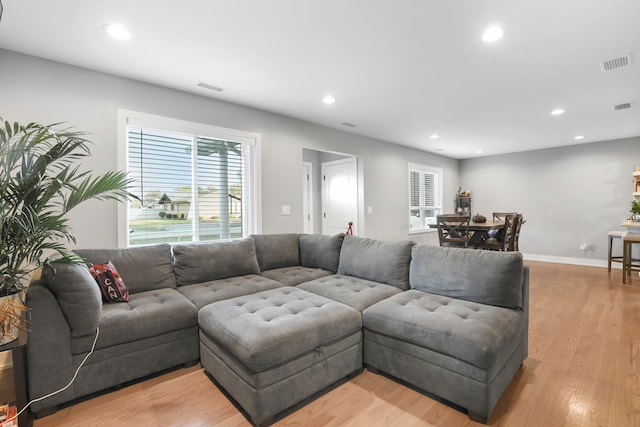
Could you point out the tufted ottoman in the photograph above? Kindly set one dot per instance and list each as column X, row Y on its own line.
column 462, row 351
column 273, row 349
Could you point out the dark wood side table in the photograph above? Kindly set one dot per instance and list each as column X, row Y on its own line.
column 18, row 350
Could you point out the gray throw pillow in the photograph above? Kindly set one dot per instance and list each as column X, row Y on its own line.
column 376, row 260
column 319, row 251
column 143, row 268
column 486, row 277
column 203, row 262
column 277, row 250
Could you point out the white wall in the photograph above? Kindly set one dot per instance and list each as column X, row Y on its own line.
column 569, row 195
column 34, row 89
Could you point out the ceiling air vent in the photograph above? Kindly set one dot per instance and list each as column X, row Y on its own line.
column 622, row 106
column 210, row 87
column 616, row 63
column 349, row 125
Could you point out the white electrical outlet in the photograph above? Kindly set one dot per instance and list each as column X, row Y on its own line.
column 286, row 210
column 584, row 247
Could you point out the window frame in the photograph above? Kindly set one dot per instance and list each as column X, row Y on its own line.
column 438, row 174
column 135, row 118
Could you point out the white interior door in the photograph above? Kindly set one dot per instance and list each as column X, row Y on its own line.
column 339, row 196
column 307, row 197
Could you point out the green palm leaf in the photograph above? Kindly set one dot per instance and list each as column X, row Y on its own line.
column 40, row 182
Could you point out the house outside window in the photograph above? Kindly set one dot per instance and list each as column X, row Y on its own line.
column 195, row 182
column 425, row 196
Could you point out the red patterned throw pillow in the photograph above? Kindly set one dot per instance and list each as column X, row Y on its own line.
column 111, row 284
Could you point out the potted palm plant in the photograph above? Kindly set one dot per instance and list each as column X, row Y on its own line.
column 40, row 182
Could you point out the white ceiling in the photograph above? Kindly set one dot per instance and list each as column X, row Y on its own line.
column 400, row 70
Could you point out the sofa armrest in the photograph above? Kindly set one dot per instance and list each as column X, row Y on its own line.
column 525, row 309
column 77, row 294
column 49, row 359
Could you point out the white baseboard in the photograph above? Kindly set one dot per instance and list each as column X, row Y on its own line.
column 575, row 261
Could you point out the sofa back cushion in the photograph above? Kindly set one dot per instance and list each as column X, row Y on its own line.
column 376, row 260
column 78, row 295
column 487, row 277
column 143, row 268
column 277, row 250
column 319, row 251
column 203, row 262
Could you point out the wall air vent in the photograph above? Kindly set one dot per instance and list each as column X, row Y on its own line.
column 616, row 63
column 622, row 106
column 210, row 87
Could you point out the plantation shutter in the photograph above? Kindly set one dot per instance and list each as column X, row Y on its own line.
column 424, row 189
column 425, row 195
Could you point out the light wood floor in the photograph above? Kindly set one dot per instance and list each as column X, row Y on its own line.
column 583, row 370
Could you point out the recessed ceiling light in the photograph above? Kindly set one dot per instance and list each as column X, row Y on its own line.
column 557, row 112
column 492, row 34
column 434, row 136
column 117, row 31
column 329, row 99
column 479, row 151
column 578, row 137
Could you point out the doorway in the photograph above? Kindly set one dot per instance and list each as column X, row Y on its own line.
column 339, row 196
column 341, row 189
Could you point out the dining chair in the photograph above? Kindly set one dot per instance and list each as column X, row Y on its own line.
column 453, row 230
column 615, row 234
column 629, row 263
column 502, row 216
column 515, row 246
column 503, row 239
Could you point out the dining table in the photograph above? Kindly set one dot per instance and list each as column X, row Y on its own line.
column 485, row 226
column 480, row 226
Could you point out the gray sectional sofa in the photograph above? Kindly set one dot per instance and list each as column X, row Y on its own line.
column 275, row 319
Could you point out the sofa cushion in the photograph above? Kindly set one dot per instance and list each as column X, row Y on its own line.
column 294, row 275
column 487, row 277
column 270, row 328
column 205, row 293
column 381, row 261
column 146, row 314
column 352, row 291
column 478, row 334
column 318, row 251
column 277, row 250
column 142, row 268
column 77, row 293
column 203, row 262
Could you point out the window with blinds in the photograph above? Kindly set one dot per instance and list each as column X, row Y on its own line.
column 425, row 196
column 192, row 187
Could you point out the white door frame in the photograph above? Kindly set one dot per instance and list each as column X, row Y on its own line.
column 307, row 197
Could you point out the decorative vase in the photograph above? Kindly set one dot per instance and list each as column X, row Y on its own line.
column 479, row 219
column 12, row 318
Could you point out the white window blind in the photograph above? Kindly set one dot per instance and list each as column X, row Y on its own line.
column 192, row 187
column 425, row 196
